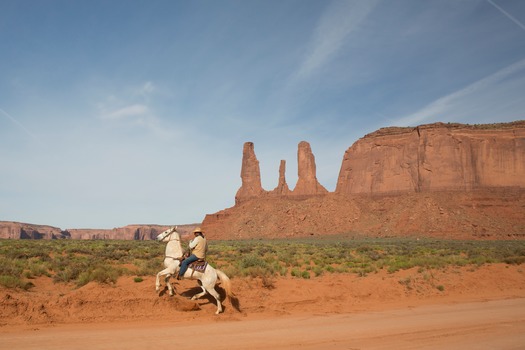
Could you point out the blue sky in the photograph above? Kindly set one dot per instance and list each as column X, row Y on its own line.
column 135, row 112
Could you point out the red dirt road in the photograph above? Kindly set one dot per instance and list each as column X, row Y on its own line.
column 496, row 324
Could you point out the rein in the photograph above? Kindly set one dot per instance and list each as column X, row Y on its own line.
column 167, row 256
column 169, row 234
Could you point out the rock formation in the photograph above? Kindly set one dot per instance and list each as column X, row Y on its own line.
column 129, row 232
column 17, row 230
column 282, row 187
column 439, row 180
column 307, row 183
column 250, row 175
column 435, row 157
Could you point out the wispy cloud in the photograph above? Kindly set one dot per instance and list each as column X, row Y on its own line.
column 460, row 100
column 336, row 24
column 20, row 125
column 126, row 112
column 146, row 90
column 508, row 15
column 134, row 107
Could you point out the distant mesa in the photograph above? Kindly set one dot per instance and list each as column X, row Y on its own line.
column 18, row 230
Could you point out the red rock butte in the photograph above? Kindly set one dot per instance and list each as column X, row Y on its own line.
column 439, row 180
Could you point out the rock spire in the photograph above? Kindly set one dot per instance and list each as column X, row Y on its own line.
column 307, row 183
column 282, row 186
column 250, row 175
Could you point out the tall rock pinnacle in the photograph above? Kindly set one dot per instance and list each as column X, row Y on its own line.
column 250, row 175
column 307, row 183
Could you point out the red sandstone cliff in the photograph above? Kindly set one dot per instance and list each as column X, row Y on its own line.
column 439, row 180
column 435, row 157
column 17, row 230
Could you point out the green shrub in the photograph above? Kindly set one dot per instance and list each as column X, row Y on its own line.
column 80, row 262
column 14, row 282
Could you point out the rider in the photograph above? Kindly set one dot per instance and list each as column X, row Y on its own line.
column 198, row 247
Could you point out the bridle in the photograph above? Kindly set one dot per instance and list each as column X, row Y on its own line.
column 169, row 235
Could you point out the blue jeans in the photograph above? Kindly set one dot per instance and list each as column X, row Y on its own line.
column 185, row 263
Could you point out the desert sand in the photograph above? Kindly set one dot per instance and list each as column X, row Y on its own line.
column 474, row 307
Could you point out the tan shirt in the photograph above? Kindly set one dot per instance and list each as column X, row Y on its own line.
column 199, row 247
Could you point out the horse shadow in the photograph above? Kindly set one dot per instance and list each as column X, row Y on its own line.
column 163, row 291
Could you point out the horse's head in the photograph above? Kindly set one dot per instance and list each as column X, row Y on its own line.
column 165, row 236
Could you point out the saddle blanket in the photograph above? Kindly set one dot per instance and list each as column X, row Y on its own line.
column 199, row 266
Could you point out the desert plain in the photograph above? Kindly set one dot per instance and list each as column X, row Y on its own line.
column 476, row 307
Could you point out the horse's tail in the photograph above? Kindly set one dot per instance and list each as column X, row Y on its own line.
column 227, row 286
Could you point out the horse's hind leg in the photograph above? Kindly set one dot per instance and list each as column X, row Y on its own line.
column 211, row 289
column 217, row 297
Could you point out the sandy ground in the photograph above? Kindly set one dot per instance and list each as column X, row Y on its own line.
column 456, row 308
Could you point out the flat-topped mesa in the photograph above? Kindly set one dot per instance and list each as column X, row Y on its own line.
column 282, row 186
column 307, row 183
column 435, row 157
column 250, row 175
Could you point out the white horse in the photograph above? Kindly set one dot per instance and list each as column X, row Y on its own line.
column 208, row 278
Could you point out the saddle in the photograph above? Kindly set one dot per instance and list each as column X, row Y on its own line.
column 199, row 265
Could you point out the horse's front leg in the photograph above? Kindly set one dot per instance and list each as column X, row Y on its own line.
column 170, row 287
column 157, row 282
column 161, row 273
column 173, row 272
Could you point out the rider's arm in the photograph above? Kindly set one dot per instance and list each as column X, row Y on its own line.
column 193, row 243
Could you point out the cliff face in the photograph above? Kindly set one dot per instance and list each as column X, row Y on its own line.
column 436, row 157
column 17, row 230
column 439, row 180
column 129, row 232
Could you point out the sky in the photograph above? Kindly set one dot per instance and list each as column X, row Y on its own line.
column 136, row 111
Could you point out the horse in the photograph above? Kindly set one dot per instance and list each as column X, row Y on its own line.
column 208, row 278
